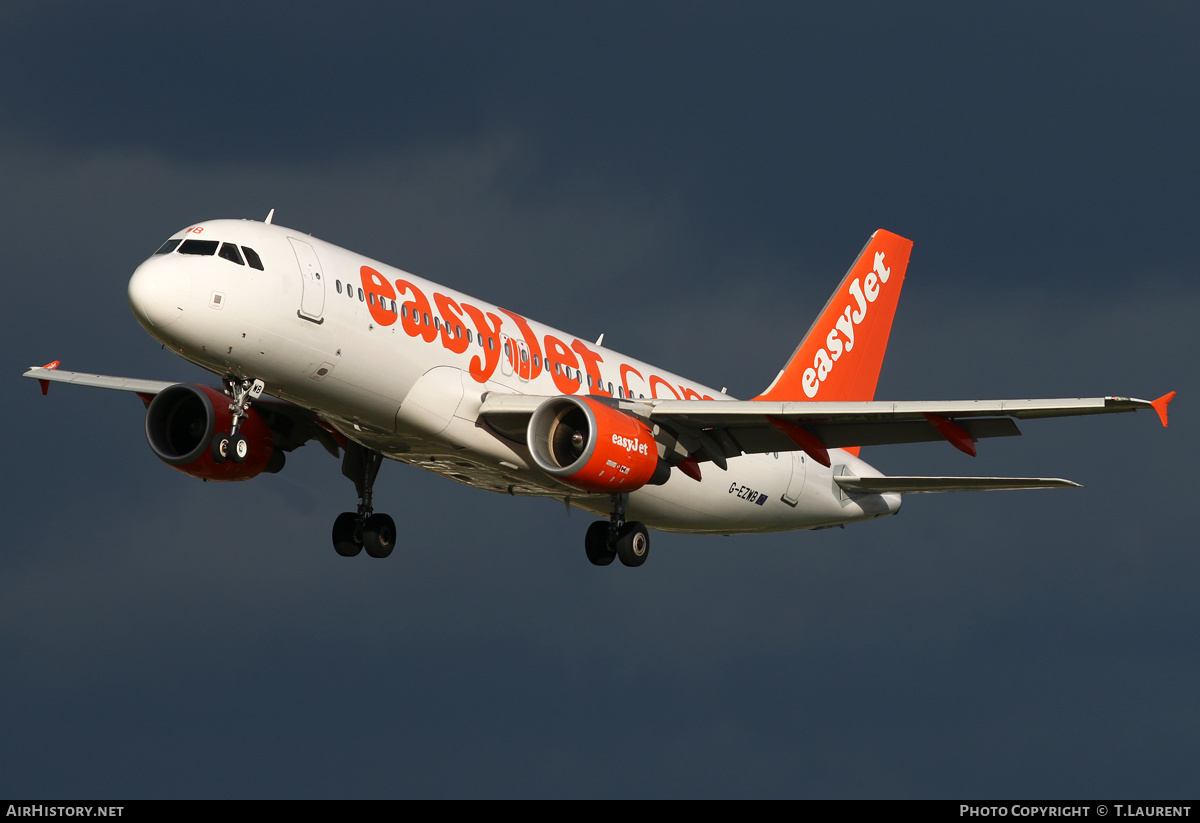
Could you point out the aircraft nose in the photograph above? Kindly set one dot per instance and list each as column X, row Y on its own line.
column 155, row 294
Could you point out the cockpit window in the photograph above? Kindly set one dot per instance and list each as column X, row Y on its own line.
column 252, row 258
column 169, row 246
column 204, row 247
column 230, row 253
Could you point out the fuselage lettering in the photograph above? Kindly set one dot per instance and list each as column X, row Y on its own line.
column 440, row 316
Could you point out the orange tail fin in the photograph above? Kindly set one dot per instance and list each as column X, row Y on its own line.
column 840, row 357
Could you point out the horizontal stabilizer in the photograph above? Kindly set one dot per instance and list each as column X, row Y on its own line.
column 922, row 485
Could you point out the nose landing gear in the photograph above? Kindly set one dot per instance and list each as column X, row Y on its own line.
column 231, row 445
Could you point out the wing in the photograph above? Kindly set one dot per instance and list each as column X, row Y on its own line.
column 721, row 429
column 50, row 374
column 291, row 425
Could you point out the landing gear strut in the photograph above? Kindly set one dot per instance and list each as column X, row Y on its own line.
column 608, row 540
column 363, row 529
column 231, row 445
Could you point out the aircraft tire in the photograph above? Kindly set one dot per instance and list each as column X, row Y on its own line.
column 633, row 544
column 596, row 543
column 239, row 448
column 379, row 535
column 220, row 448
column 343, row 535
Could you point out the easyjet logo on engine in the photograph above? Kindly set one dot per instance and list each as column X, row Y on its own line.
column 629, row 444
column 840, row 338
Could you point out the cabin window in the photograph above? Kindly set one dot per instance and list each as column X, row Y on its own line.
column 201, row 247
column 169, row 246
column 524, row 356
column 589, row 381
column 338, row 285
column 360, row 296
column 436, row 322
column 469, row 340
column 229, row 252
column 371, row 298
column 491, row 344
column 253, row 259
column 425, row 318
column 620, row 392
column 458, row 331
column 404, row 311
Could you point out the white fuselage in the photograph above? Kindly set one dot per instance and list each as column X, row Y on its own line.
column 311, row 324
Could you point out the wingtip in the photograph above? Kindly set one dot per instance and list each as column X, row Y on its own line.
column 45, row 384
column 1160, row 406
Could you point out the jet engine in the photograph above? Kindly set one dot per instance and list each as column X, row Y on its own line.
column 181, row 421
column 594, row 447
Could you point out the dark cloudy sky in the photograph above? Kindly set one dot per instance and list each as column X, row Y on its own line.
column 690, row 179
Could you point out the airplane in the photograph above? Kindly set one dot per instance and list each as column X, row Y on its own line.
column 313, row 342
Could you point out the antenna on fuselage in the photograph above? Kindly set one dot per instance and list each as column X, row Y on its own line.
column 270, row 214
column 600, row 339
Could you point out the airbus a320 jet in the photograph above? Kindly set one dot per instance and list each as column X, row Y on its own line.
column 314, row 342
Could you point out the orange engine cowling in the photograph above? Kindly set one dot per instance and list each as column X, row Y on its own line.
column 594, row 447
column 181, row 421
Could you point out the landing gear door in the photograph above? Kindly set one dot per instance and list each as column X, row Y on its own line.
column 312, row 281
column 796, row 482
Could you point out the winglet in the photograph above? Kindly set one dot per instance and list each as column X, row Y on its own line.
column 53, row 364
column 1160, row 406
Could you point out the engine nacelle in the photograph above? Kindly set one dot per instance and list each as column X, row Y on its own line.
column 181, row 421
column 594, row 447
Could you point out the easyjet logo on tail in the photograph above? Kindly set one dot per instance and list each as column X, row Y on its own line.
column 841, row 336
column 842, row 355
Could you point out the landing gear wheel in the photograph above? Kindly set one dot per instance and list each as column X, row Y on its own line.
column 345, row 542
column 596, row 544
column 379, row 535
column 220, row 447
column 239, row 448
column 633, row 544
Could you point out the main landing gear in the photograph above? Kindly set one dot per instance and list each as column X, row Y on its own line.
column 364, row 529
column 609, row 539
column 231, row 445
